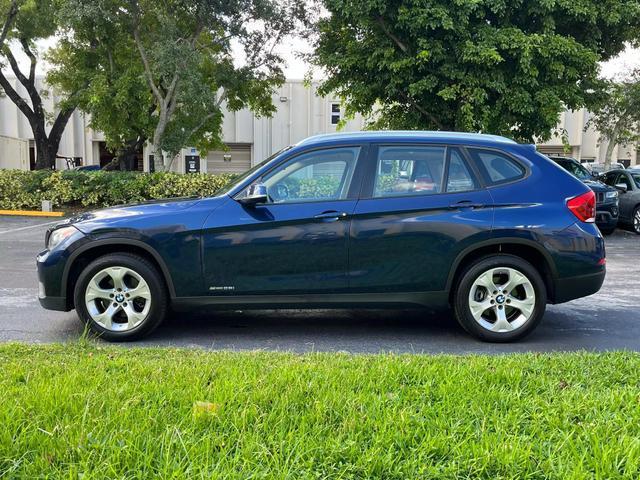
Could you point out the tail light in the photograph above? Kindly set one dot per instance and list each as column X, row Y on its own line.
column 583, row 207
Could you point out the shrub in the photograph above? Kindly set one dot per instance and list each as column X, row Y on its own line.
column 27, row 190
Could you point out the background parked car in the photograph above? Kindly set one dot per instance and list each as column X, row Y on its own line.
column 628, row 182
column 606, row 196
column 598, row 168
column 88, row 168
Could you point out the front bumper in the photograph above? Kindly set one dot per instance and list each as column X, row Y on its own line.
column 607, row 216
column 58, row 304
column 50, row 289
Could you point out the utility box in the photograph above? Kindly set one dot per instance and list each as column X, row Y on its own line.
column 14, row 153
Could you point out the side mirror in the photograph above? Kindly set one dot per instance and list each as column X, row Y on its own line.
column 622, row 187
column 256, row 193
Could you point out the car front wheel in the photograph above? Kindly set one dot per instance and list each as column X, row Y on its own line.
column 120, row 297
column 636, row 220
column 500, row 298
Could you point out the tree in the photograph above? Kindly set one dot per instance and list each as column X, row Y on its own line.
column 617, row 117
column 184, row 55
column 495, row 66
column 9, row 16
column 26, row 22
column 102, row 63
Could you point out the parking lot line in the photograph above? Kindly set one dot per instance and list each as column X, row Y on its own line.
column 28, row 227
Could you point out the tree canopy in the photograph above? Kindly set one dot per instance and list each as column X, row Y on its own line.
column 496, row 66
column 617, row 116
column 162, row 70
column 91, row 51
column 25, row 22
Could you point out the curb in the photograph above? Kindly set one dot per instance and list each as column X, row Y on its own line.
column 31, row 213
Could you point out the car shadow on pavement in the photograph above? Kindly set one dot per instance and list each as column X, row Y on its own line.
column 356, row 331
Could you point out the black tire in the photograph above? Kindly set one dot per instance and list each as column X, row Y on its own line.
column 607, row 231
column 635, row 220
column 466, row 281
column 158, row 293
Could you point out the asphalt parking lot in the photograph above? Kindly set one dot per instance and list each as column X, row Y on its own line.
column 605, row 321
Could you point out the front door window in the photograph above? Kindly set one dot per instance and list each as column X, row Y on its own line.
column 320, row 175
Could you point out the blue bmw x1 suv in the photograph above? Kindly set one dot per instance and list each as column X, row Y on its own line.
column 372, row 219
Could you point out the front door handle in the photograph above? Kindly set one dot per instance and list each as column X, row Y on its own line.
column 331, row 216
column 466, row 204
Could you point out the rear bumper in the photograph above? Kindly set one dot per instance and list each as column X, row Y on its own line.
column 570, row 288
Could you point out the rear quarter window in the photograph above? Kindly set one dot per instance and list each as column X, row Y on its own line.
column 496, row 167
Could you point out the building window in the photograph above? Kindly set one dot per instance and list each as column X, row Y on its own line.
column 335, row 113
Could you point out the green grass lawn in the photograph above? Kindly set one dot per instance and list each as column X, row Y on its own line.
column 83, row 411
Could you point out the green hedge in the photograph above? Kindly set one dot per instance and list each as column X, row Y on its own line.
column 27, row 190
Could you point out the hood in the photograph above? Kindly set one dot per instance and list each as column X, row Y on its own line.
column 597, row 186
column 122, row 215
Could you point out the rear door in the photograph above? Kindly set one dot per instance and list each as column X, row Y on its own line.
column 421, row 205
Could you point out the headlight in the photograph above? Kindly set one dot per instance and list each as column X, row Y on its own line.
column 58, row 235
column 612, row 194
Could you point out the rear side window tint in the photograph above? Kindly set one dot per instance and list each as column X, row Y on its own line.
column 459, row 178
column 496, row 167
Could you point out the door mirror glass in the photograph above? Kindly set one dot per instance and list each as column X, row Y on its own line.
column 622, row 187
column 254, row 194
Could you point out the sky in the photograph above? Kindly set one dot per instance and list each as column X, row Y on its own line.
column 625, row 62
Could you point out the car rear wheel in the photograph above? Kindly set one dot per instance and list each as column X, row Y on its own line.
column 636, row 220
column 500, row 298
column 120, row 297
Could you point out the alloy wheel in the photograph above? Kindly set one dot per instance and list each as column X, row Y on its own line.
column 502, row 299
column 118, row 298
column 636, row 221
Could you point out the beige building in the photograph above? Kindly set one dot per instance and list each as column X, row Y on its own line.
column 300, row 114
column 584, row 143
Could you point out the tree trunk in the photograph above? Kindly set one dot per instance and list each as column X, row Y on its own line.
column 125, row 158
column 159, row 156
column 46, row 144
column 45, row 152
column 612, row 144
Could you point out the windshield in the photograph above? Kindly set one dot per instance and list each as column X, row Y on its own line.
column 576, row 170
column 248, row 173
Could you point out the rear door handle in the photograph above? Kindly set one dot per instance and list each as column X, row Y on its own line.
column 466, row 204
column 331, row 216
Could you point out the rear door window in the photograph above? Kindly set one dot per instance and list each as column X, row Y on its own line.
column 405, row 170
column 496, row 167
column 409, row 170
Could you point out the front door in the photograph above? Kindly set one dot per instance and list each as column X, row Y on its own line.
column 422, row 206
column 297, row 242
